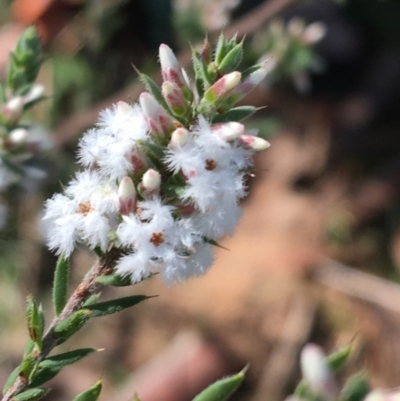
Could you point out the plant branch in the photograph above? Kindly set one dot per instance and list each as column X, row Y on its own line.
column 85, row 289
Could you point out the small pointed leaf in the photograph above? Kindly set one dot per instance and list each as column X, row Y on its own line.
column 11, row 379
column 235, row 114
column 114, row 280
column 116, row 305
column 91, row 394
column 356, row 388
column 32, row 394
column 336, row 360
column 35, row 321
column 60, row 284
column 222, row 389
column 50, row 367
column 232, row 60
column 71, row 325
column 220, row 50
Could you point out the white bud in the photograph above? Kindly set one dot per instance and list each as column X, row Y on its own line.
column 254, row 142
column 35, row 93
column 123, row 108
column 179, row 137
column 151, row 181
column 127, row 196
column 18, row 136
column 314, row 32
column 170, row 68
column 229, row 131
column 14, row 109
column 295, row 26
column 157, row 119
column 316, row 371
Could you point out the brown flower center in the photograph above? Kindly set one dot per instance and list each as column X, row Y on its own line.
column 84, row 208
column 210, row 165
column 157, row 239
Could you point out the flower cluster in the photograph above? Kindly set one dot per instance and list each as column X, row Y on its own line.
column 162, row 178
column 290, row 51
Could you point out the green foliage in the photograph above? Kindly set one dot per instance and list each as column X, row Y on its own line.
column 35, row 320
column 60, row 285
column 69, row 326
column 114, row 306
column 11, row 379
column 31, row 394
column 50, row 367
column 222, row 389
column 24, row 62
column 91, row 394
column 114, row 280
column 235, row 114
column 232, row 59
column 336, row 360
column 356, row 388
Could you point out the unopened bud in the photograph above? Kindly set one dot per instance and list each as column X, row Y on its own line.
column 222, row 87
column 35, row 93
column 314, row 32
column 151, row 182
column 13, row 109
column 295, row 27
column 123, row 108
column 174, row 97
column 316, row 371
column 127, row 196
column 18, row 136
column 170, row 68
column 157, row 119
column 252, row 81
column 379, row 395
column 179, row 137
column 229, row 131
column 206, row 51
column 254, row 142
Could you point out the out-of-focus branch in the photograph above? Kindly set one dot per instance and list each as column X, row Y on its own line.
column 74, row 125
column 358, row 284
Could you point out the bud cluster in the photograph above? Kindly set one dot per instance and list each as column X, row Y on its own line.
column 163, row 178
column 20, row 141
column 290, row 50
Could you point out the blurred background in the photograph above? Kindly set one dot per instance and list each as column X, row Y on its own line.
column 317, row 254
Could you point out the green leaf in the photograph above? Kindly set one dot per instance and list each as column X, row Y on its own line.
column 201, row 72
column 34, row 317
column 222, row 389
column 232, row 60
column 51, row 366
column 155, row 90
column 116, row 305
column 220, row 50
column 11, row 379
column 28, row 365
column 336, row 360
column 91, row 300
column 114, row 280
column 92, row 394
column 356, row 388
column 213, row 243
column 66, row 328
column 60, row 284
column 235, row 114
column 31, row 395
column 154, row 152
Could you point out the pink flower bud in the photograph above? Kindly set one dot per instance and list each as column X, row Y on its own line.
column 316, row 371
column 229, row 131
column 127, row 196
column 151, row 182
column 223, row 86
column 179, row 137
column 174, row 97
column 170, row 68
column 157, row 119
column 254, row 142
